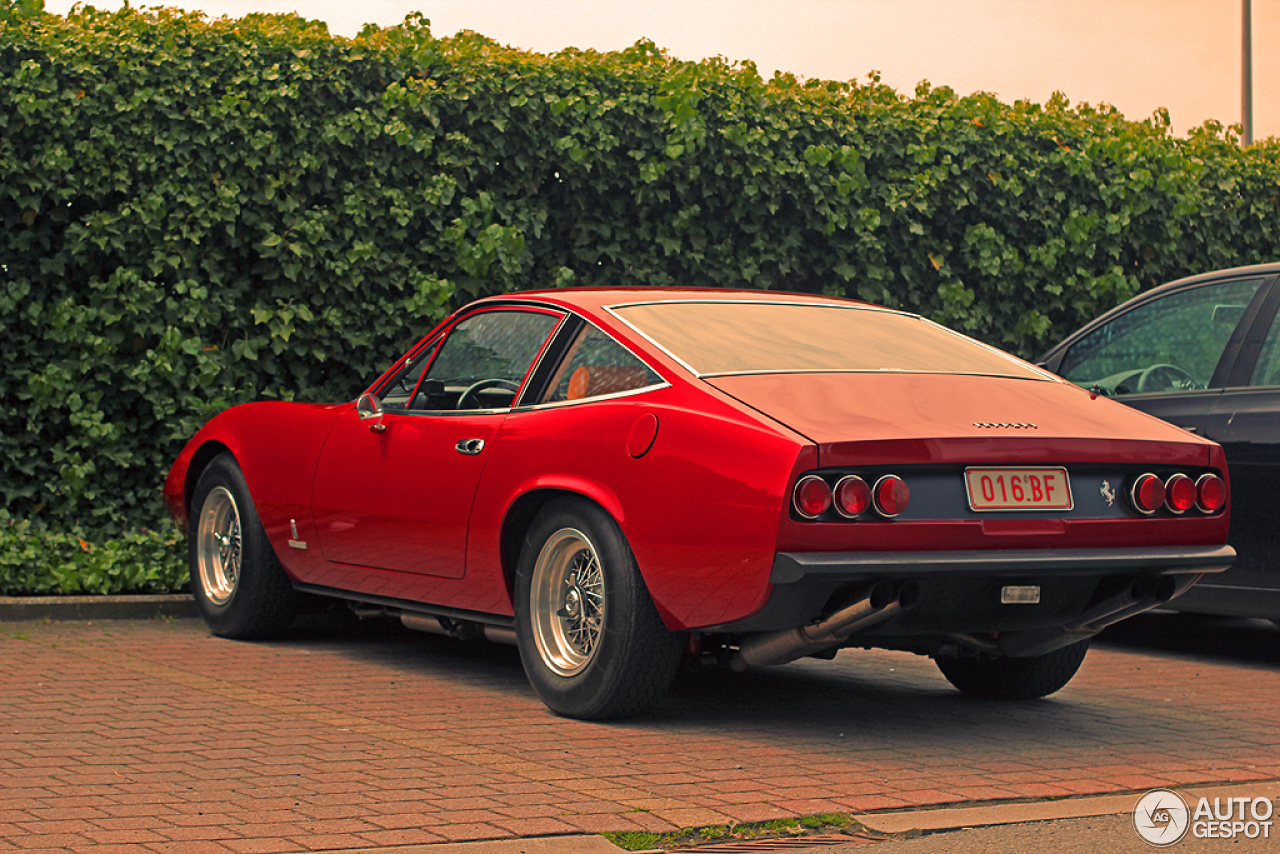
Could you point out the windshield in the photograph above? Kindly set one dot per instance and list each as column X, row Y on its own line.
column 716, row 338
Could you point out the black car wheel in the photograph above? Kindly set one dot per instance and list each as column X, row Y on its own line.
column 590, row 638
column 1014, row 678
column 240, row 588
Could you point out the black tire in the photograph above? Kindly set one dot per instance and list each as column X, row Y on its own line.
column 1014, row 678
column 240, row 588
column 592, row 643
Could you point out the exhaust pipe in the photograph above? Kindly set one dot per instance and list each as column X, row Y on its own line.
column 877, row 604
column 462, row 630
column 423, row 623
column 1143, row 594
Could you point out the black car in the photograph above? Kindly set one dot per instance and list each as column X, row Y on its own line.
column 1204, row 353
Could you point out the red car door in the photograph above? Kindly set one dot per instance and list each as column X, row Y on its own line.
column 395, row 492
column 400, row 498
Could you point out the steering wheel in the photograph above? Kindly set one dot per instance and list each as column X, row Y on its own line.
column 476, row 388
column 1166, row 378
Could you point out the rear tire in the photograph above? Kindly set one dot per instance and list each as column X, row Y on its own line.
column 591, row 640
column 240, row 588
column 1014, row 678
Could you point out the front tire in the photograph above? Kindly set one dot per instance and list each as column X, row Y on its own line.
column 591, row 641
column 1014, row 678
column 240, row 588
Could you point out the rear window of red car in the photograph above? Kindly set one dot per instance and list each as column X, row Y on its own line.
column 722, row 337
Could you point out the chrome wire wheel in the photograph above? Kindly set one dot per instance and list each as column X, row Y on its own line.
column 219, row 548
column 566, row 602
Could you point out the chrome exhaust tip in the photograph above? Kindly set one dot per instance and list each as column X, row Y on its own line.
column 877, row 603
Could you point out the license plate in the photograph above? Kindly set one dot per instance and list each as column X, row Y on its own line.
column 1018, row 489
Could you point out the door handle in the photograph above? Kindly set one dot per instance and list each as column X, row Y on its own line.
column 470, row 446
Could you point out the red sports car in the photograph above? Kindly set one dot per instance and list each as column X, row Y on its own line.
column 619, row 480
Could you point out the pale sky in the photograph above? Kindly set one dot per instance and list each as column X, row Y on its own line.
column 1138, row 55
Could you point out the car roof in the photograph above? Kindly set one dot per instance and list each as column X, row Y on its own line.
column 1269, row 269
column 594, row 304
column 594, row 300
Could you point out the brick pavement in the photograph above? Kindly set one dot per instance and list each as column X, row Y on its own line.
column 154, row 736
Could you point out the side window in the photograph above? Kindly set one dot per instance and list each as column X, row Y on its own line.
column 483, row 361
column 395, row 394
column 1168, row 345
column 597, row 365
column 1266, row 371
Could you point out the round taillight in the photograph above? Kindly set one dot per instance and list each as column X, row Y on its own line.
column 1211, row 493
column 1179, row 493
column 812, row 497
column 1147, row 494
column 891, row 495
column 852, row 496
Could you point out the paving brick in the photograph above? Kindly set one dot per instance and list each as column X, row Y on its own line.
column 526, row 827
column 204, row 833
column 103, row 836
column 808, row 806
column 52, row 841
column 23, row 828
column 403, row 836
column 755, row 812
column 68, row 812
column 619, row 823
column 189, row 846
column 870, row 803
column 471, row 831
column 265, row 845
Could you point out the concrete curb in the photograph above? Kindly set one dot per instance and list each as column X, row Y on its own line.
column 955, row 818
column 14, row 609
column 893, row 823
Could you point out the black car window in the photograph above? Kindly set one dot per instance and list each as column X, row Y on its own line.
column 483, row 361
column 596, row 366
column 1167, row 345
column 1266, row 371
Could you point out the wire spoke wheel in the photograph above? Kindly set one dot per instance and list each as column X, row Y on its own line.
column 218, row 546
column 591, row 640
column 567, row 601
column 239, row 585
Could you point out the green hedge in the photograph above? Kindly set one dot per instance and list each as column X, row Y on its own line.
column 198, row 213
column 38, row 560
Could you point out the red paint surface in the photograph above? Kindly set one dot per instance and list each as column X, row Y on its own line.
column 399, row 499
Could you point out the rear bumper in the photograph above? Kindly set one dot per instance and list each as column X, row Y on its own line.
column 843, row 567
column 960, row 591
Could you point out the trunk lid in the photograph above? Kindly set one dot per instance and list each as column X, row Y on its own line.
column 909, row 418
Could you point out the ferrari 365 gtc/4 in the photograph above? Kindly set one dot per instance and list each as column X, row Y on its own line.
column 619, row 480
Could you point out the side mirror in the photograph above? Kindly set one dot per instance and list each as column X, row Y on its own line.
column 370, row 410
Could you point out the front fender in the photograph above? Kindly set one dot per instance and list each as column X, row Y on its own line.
column 275, row 443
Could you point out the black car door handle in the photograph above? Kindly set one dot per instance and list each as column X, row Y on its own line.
column 470, row 446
